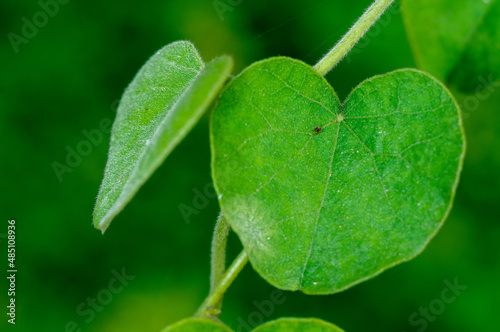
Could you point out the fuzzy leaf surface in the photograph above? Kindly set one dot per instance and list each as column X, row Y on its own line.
column 162, row 104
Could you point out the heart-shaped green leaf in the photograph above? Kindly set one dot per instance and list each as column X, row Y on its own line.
column 197, row 325
column 161, row 105
column 456, row 40
column 298, row 325
column 324, row 195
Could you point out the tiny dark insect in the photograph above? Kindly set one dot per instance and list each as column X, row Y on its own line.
column 317, row 130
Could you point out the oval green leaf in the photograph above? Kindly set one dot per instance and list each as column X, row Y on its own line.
column 458, row 41
column 197, row 325
column 161, row 105
column 324, row 195
column 298, row 325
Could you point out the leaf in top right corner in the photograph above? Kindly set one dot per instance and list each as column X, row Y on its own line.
column 458, row 41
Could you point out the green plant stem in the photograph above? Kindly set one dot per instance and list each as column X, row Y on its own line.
column 207, row 307
column 218, row 261
column 358, row 30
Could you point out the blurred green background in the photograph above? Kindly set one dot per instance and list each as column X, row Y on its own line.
column 66, row 79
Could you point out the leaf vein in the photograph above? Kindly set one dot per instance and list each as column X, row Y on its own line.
column 301, row 94
column 328, row 176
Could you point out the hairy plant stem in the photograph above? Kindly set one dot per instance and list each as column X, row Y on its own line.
column 209, row 307
column 358, row 30
column 218, row 260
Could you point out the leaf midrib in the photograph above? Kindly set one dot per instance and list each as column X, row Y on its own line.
column 125, row 196
column 329, row 175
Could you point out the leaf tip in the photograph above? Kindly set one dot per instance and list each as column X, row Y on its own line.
column 101, row 223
